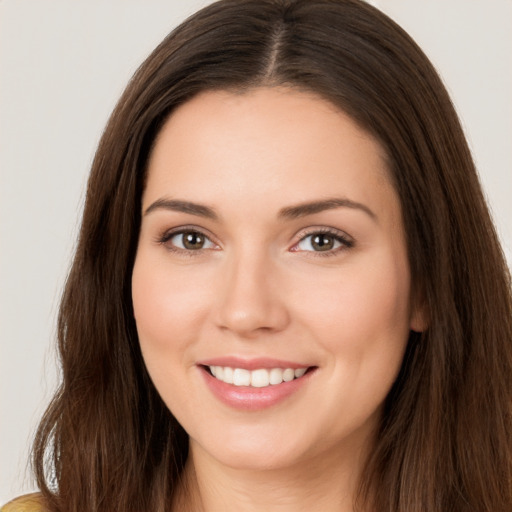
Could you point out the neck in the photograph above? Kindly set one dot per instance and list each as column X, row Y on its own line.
column 324, row 483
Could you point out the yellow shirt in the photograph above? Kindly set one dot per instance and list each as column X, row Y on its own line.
column 26, row 503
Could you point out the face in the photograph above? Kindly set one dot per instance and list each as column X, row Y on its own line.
column 271, row 285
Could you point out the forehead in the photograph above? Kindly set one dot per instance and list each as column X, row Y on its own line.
column 268, row 143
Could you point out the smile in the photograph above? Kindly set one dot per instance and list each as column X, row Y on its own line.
column 257, row 383
column 259, row 378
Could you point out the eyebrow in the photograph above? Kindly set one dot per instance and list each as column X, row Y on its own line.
column 310, row 208
column 178, row 205
column 289, row 212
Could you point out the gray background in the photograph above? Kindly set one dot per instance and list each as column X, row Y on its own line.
column 62, row 67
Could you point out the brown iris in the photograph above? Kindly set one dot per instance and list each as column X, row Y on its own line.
column 322, row 242
column 193, row 241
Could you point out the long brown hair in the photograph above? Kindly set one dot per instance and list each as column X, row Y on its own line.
column 107, row 442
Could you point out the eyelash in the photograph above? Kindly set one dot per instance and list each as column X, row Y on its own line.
column 165, row 238
column 338, row 236
column 343, row 239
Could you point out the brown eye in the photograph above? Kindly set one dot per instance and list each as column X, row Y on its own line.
column 193, row 241
column 190, row 241
column 322, row 242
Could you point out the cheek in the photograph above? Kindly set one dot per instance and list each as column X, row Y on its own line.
column 167, row 306
column 364, row 308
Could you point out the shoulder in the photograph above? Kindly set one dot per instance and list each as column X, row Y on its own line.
column 27, row 503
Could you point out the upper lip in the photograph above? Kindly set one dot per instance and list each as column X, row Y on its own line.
column 253, row 363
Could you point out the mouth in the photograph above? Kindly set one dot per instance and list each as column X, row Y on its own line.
column 254, row 384
column 258, row 378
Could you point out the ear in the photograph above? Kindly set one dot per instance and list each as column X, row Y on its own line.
column 420, row 316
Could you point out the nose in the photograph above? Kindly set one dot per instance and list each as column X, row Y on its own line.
column 251, row 301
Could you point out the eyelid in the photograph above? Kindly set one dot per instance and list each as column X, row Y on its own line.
column 165, row 236
column 344, row 238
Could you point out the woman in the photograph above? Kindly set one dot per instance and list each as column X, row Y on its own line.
column 281, row 296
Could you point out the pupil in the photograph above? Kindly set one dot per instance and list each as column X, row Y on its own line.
column 323, row 242
column 193, row 241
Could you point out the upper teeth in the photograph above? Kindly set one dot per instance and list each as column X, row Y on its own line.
column 255, row 378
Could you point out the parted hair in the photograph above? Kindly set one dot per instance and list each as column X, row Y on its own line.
column 108, row 442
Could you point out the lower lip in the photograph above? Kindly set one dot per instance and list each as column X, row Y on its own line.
column 253, row 399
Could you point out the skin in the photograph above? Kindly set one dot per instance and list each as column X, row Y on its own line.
column 259, row 288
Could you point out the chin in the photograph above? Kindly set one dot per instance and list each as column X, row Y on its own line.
column 251, row 449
